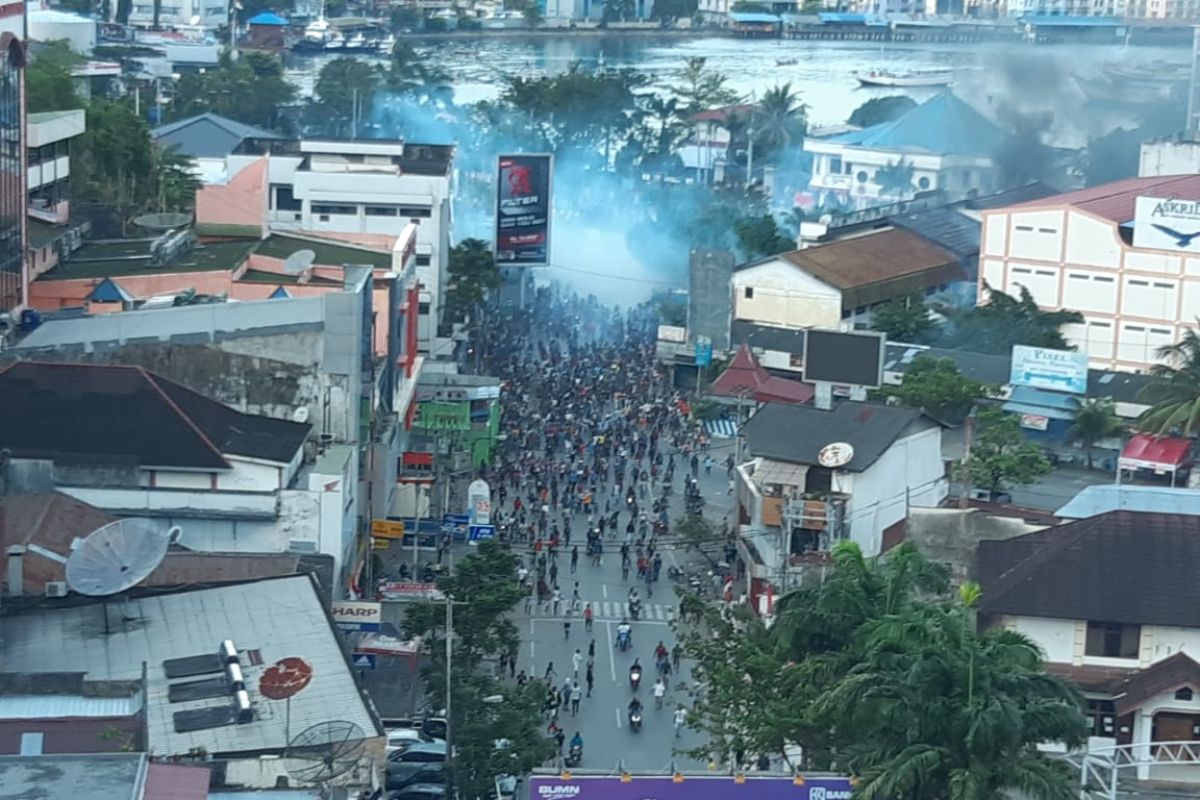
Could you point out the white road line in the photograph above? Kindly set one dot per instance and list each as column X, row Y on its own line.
column 532, row 646
column 604, row 588
column 618, row 713
column 612, row 665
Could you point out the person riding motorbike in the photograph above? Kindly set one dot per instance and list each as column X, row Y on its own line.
column 635, row 714
column 635, row 674
column 575, row 750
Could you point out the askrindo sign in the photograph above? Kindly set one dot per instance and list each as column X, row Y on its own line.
column 690, row 788
column 1163, row 223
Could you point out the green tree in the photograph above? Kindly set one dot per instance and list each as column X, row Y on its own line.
column 904, row 319
column 112, row 162
column 675, row 9
column 532, row 12
column 761, row 236
column 779, row 121
column 895, row 179
column 699, row 88
column 879, row 110
column 1000, row 455
column 473, row 272
column 936, row 385
column 409, row 74
column 1174, row 392
column 174, row 181
column 345, row 95
column 1005, row 321
column 1093, row 420
column 938, row 711
column 251, row 90
column 48, row 82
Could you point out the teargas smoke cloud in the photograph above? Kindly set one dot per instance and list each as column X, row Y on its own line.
column 613, row 236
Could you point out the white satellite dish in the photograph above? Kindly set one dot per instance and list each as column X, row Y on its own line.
column 299, row 261
column 118, row 556
column 837, row 454
column 195, row 19
column 300, row 415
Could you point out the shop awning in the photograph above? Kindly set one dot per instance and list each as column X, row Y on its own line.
column 1159, row 453
column 1038, row 402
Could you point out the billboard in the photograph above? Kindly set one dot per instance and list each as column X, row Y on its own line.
column 851, row 359
column 1056, row 370
column 1165, row 224
column 690, row 788
column 353, row 615
column 523, row 210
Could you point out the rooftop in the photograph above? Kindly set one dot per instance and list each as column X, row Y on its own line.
column 1115, row 201
column 942, row 125
column 328, row 253
column 111, row 776
column 1121, row 566
column 767, row 337
column 267, row 620
column 984, row 367
column 208, row 135
column 722, row 113
column 744, row 377
column 115, row 259
column 945, row 227
column 113, row 413
column 796, row 433
column 1100, row 499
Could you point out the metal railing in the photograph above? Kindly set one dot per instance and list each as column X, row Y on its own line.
column 1101, row 768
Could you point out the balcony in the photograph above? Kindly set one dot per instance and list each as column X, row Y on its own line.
column 832, row 181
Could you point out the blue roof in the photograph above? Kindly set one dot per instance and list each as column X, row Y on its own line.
column 748, row 16
column 1054, row 21
column 850, row 18
column 109, row 291
column 942, row 125
column 1028, row 400
column 279, row 292
column 1095, row 500
column 267, row 18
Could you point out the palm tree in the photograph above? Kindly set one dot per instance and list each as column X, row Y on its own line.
column 1174, row 394
column 1094, row 419
column 895, row 179
column 938, row 711
column 780, row 120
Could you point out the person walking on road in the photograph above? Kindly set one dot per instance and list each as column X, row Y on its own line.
column 574, row 558
column 591, row 679
column 587, row 617
column 577, row 660
column 660, row 691
column 576, row 696
column 680, row 719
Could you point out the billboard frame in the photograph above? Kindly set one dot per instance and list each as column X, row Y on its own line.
column 549, row 211
column 882, row 337
column 1067, row 374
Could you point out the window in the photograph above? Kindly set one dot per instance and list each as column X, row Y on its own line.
column 1025, row 228
column 380, row 211
column 321, row 208
column 1138, row 283
column 1047, row 230
column 423, row 308
column 285, row 199
column 1103, row 717
column 415, row 211
column 748, row 293
column 1185, row 694
column 835, row 165
column 423, row 261
column 1103, row 278
column 1112, row 640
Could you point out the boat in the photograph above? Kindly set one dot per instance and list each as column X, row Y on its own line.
column 1154, row 72
column 356, row 42
column 786, row 62
column 385, row 45
column 937, row 77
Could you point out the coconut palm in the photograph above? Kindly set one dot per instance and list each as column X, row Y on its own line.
column 780, row 119
column 1174, row 394
column 938, row 711
column 895, row 179
column 1094, row 419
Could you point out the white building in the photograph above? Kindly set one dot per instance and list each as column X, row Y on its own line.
column 48, row 185
column 941, row 144
column 1174, row 156
column 181, row 13
column 797, row 509
column 369, row 190
column 1075, row 251
column 1111, row 602
column 839, row 282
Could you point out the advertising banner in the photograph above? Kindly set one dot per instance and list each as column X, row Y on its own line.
column 1056, row 370
column 409, row 590
column 353, row 615
column 523, row 210
column 690, row 788
column 1164, row 223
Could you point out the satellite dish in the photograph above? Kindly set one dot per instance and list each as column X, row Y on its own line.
column 324, row 751
column 195, row 20
column 837, row 454
column 300, row 415
column 162, row 222
column 299, row 261
column 117, row 556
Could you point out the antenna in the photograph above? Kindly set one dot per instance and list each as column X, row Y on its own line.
column 117, row 556
column 299, row 261
column 324, row 751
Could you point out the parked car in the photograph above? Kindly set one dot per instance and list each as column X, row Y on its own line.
column 420, row 752
column 987, row 496
column 420, row 791
column 404, row 738
column 402, row 774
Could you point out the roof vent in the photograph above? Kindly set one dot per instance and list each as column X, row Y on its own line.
column 228, row 653
column 241, row 703
column 237, row 681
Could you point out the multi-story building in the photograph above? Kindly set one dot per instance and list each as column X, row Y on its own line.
column 180, row 13
column 1076, row 251
column 12, row 155
column 942, row 144
column 48, row 159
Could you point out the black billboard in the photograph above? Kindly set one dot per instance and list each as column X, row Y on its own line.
column 843, row 358
column 523, row 210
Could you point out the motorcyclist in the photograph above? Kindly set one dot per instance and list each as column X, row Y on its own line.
column 635, row 706
column 635, row 669
column 577, row 742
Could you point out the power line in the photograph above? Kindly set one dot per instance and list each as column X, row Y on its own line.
column 672, row 284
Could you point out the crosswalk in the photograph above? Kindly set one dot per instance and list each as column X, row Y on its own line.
column 721, row 428
column 616, row 610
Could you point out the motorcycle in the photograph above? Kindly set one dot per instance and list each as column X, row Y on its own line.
column 675, row 573
column 574, row 756
column 635, row 609
column 635, row 721
column 635, row 678
column 623, row 640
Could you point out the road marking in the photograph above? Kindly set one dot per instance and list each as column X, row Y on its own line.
column 618, row 713
column 612, row 665
column 604, row 588
column 532, row 645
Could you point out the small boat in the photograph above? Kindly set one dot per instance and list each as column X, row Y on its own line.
column 387, row 44
column 786, row 62
column 356, row 42
column 940, row 77
column 335, row 42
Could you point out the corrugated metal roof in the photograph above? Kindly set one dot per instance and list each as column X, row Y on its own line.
column 942, row 125
column 110, row 776
column 53, row 706
column 176, row 782
column 280, row 617
column 947, row 227
column 1115, row 201
column 1095, row 500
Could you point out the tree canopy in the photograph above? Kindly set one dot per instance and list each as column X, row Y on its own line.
column 879, row 110
column 904, row 319
column 760, row 236
column 48, row 82
column 1005, row 321
column 251, row 90
column 936, row 385
column 1000, row 454
column 1174, row 394
column 473, row 272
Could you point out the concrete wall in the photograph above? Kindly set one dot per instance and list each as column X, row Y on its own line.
column 951, row 536
column 1169, row 158
column 781, row 294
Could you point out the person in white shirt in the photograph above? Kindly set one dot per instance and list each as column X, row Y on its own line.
column 660, row 691
column 680, row 719
column 576, row 661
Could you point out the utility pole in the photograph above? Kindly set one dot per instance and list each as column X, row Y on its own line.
column 449, row 655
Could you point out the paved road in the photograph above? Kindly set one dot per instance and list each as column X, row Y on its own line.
column 602, row 718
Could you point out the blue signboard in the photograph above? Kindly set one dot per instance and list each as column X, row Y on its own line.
column 429, row 531
column 363, row 661
column 457, row 525
column 1056, row 370
column 479, row 532
column 703, row 351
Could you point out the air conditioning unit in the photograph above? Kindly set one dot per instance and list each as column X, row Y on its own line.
column 56, row 588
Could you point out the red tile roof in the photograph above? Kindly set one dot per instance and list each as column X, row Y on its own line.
column 720, row 114
column 1115, row 201
column 744, row 377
